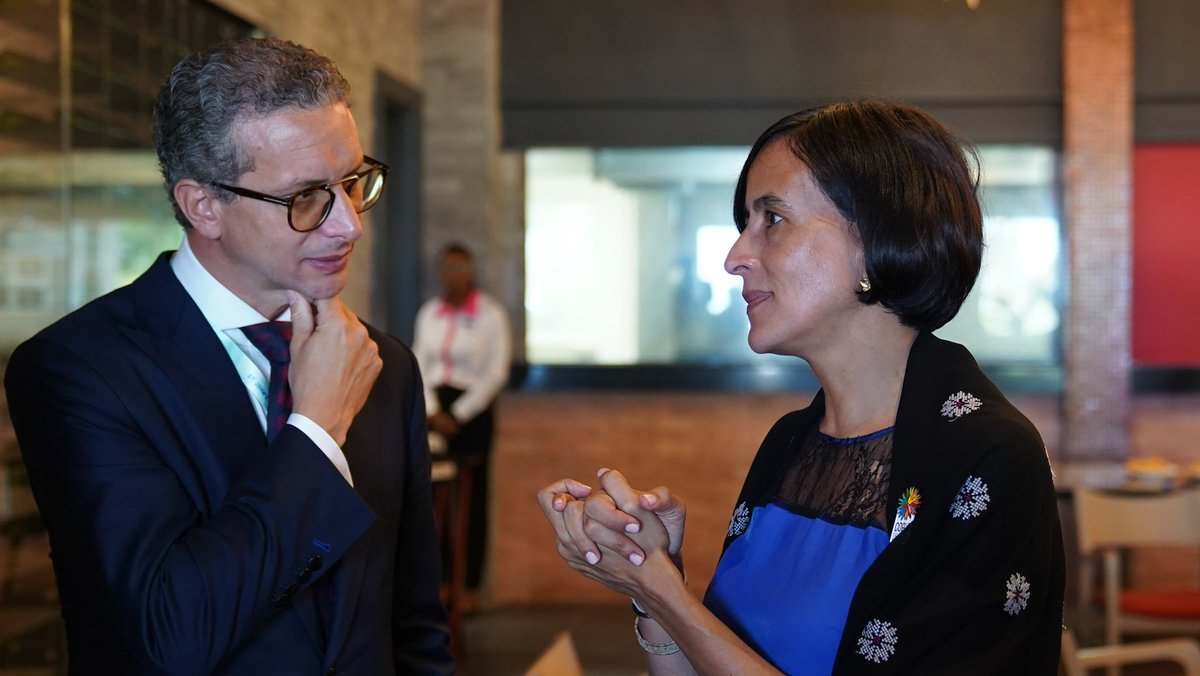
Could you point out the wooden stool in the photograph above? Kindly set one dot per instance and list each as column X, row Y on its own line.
column 451, row 500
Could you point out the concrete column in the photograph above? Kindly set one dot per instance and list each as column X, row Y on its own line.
column 468, row 186
column 1098, row 158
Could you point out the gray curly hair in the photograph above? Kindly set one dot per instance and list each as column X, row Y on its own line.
column 209, row 91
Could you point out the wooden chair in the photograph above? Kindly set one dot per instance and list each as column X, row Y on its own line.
column 1108, row 522
column 1077, row 661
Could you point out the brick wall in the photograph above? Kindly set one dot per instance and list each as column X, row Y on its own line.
column 1098, row 134
column 700, row 445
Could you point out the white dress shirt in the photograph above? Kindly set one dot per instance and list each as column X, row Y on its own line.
column 227, row 314
column 468, row 348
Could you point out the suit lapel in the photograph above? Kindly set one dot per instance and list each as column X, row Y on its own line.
column 198, row 386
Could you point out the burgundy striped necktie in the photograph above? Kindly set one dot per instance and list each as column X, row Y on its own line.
column 274, row 339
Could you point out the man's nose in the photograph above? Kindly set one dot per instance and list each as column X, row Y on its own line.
column 344, row 220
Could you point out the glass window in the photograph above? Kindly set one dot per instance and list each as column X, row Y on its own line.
column 625, row 252
column 62, row 246
column 1013, row 313
column 82, row 206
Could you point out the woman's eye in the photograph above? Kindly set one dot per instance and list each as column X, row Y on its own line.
column 772, row 217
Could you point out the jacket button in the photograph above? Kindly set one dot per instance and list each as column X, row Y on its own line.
column 315, row 563
column 331, row 672
column 288, row 592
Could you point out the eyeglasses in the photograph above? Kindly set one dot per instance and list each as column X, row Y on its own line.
column 309, row 208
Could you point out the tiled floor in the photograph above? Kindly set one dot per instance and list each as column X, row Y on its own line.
column 506, row 641
column 500, row 642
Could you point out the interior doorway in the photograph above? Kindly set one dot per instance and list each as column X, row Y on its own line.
column 396, row 295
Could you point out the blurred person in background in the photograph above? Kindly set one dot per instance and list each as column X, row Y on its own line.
column 463, row 344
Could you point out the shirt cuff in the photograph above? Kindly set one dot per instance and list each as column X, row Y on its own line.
column 324, row 442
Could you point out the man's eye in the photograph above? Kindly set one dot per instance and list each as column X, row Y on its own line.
column 772, row 217
column 310, row 195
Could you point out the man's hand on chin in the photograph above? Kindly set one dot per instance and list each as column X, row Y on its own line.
column 334, row 363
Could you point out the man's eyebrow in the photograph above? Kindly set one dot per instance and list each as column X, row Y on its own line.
column 300, row 185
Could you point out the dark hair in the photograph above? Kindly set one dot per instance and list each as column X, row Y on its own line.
column 208, row 92
column 906, row 184
column 457, row 248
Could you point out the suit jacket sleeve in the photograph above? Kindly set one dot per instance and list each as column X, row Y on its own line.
column 187, row 581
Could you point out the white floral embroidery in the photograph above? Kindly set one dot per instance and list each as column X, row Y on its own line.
column 1016, row 596
column 741, row 519
column 878, row 641
column 960, row 404
column 972, row 499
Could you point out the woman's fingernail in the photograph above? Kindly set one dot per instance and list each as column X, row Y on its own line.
column 592, row 558
column 632, row 528
column 559, row 502
column 650, row 499
column 600, row 472
column 636, row 559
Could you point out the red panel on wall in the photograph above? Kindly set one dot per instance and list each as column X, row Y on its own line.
column 1166, row 255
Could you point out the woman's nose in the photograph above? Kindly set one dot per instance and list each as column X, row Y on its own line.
column 740, row 257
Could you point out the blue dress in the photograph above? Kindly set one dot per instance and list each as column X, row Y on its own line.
column 786, row 579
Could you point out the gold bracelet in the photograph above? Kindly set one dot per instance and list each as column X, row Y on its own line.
column 652, row 648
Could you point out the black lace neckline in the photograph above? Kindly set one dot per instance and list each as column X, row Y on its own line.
column 848, row 441
column 840, row 480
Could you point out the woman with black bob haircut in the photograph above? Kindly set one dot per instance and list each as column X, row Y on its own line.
column 906, row 185
column 905, row 521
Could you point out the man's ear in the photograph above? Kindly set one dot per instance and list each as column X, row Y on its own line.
column 200, row 207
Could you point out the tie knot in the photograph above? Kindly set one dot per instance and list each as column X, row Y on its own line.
column 273, row 339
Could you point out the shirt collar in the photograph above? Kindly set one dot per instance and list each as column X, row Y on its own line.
column 220, row 306
column 470, row 308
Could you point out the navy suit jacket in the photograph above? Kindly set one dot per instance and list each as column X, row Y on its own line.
column 182, row 542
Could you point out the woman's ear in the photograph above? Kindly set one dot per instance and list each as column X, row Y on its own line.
column 860, row 259
column 200, row 207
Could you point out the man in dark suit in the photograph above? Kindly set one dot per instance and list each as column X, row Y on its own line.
column 204, row 517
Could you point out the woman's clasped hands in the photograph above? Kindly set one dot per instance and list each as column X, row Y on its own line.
column 619, row 536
